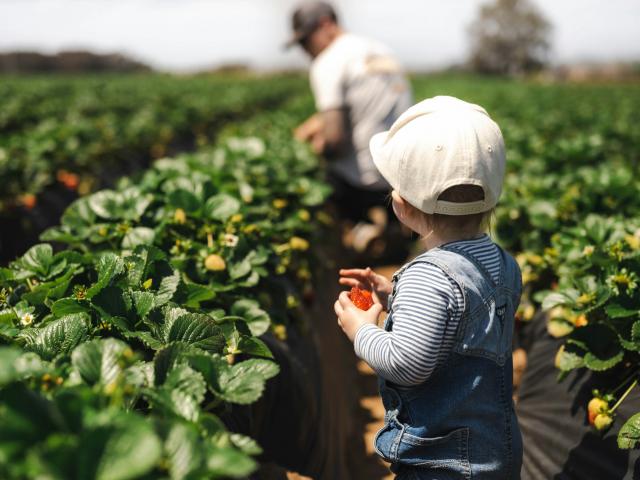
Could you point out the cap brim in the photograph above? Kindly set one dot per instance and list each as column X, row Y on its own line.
column 294, row 40
column 376, row 147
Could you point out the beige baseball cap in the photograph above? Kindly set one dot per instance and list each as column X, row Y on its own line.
column 439, row 143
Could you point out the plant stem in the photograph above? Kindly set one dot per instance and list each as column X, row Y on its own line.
column 624, row 382
column 624, row 395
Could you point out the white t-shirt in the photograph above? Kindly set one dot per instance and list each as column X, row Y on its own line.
column 363, row 77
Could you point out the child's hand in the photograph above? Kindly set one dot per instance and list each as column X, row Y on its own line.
column 351, row 318
column 369, row 280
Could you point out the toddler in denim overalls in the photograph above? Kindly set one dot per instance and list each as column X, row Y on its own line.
column 445, row 368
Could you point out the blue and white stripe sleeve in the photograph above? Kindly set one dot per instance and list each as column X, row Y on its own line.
column 426, row 311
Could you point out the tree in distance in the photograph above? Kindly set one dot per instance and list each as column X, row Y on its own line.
column 509, row 37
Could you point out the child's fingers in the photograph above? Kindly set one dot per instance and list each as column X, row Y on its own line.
column 338, row 309
column 351, row 282
column 344, row 300
column 353, row 272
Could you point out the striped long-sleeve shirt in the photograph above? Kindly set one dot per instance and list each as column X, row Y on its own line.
column 427, row 308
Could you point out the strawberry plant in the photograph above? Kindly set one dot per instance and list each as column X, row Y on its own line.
column 121, row 352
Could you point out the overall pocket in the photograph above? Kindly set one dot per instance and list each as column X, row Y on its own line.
column 448, row 453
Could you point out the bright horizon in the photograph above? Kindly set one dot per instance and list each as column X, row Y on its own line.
column 190, row 35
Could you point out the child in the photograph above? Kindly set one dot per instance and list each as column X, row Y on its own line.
column 444, row 355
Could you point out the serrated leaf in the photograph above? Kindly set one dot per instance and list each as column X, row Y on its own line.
column 629, row 434
column 567, row 361
column 265, row 368
column 112, row 302
column 166, row 358
column 37, row 259
column 60, row 336
column 98, row 361
column 181, row 393
column 109, row 266
column 143, row 302
column 198, row 330
column 168, row 286
column 633, row 343
column 602, row 349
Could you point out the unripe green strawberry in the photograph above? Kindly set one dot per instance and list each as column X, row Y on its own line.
column 603, row 421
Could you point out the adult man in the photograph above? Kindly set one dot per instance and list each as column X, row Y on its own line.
column 359, row 90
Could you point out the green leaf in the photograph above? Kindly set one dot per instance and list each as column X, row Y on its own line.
column 26, row 417
column 181, row 393
column 168, row 286
column 38, row 259
column 617, row 311
column 122, row 449
column 198, row 330
column 257, row 319
column 60, row 336
column 143, row 302
column 221, row 207
column 66, row 306
column 128, row 204
column 192, row 294
column 602, row 349
column 240, row 269
column 244, row 383
column 246, row 444
column 567, row 361
column 632, row 343
column 16, row 365
column 265, row 368
column 554, row 299
column 112, row 302
column 138, row 236
column 183, row 451
column 184, row 199
column 109, row 266
column 629, row 434
column 166, row 358
column 98, row 361
column 229, row 462
column 254, row 346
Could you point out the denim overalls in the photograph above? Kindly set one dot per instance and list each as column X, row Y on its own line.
column 460, row 423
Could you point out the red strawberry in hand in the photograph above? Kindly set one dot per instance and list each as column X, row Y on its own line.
column 361, row 298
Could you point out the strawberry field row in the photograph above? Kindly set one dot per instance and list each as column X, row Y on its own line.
column 79, row 131
column 122, row 351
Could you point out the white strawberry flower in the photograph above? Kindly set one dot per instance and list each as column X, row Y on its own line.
column 230, row 240
column 27, row 319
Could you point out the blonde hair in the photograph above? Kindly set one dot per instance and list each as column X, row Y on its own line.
column 463, row 224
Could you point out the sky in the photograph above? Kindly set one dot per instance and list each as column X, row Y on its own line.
column 188, row 35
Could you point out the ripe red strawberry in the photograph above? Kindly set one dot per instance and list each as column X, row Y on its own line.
column 361, row 298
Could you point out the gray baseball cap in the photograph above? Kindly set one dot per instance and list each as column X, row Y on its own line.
column 306, row 18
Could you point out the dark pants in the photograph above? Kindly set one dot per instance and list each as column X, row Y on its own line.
column 353, row 203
